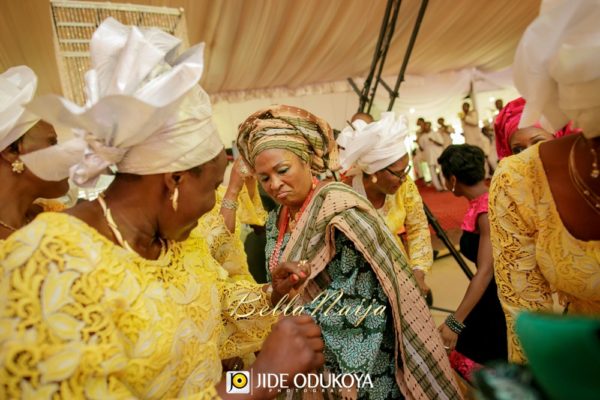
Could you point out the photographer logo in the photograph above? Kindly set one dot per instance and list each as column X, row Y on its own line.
column 238, row 382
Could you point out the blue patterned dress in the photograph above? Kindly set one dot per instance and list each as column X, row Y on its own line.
column 350, row 348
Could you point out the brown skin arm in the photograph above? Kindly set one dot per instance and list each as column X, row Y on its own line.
column 479, row 283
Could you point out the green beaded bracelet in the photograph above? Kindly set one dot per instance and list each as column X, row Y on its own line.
column 454, row 325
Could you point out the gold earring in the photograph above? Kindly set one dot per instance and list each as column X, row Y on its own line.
column 453, row 187
column 374, row 179
column 175, row 198
column 17, row 166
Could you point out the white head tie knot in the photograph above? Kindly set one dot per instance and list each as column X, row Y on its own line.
column 557, row 66
column 372, row 147
column 17, row 88
column 138, row 94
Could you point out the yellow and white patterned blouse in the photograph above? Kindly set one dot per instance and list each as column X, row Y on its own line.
column 251, row 210
column 84, row 318
column 404, row 212
column 534, row 254
column 225, row 247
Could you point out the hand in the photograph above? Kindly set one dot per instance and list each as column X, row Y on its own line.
column 294, row 346
column 239, row 174
column 449, row 338
column 420, row 278
column 287, row 278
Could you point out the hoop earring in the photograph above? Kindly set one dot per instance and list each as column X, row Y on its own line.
column 174, row 199
column 17, row 166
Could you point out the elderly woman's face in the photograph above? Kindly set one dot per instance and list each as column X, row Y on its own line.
column 393, row 176
column 284, row 176
column 196, row 198
column 527, row 137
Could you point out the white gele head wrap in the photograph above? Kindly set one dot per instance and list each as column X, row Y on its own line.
column 372, row 147
column 557, row 66
column 145, row 112
column 17, row 88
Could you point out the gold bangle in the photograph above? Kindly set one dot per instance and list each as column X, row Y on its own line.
column 229, row 204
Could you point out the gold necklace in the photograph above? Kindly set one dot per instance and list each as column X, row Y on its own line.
column 112, row 225
column 115, row 229
column 12, row 228
column 7, row 226
column 582, row 188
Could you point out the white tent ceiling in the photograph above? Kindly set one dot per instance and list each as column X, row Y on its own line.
column 256, row 44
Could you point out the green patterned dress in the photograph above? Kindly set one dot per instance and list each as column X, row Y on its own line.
column 349, row 348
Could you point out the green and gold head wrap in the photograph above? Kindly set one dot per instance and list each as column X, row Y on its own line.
column 289, row 128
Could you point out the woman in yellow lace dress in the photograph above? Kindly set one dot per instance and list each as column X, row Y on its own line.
column 102, row 301
column 545, row 201
column 21, row 132
column 236, row 204
column 377, row 163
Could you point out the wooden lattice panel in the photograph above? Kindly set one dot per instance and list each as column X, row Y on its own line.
column 74, row 22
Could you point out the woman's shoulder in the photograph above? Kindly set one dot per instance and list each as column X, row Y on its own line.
column 408, row 188
column 521, row 174
column 519, row 186
column 336, row 187
column 58, row 233
column 58, row 223
column 525, row 165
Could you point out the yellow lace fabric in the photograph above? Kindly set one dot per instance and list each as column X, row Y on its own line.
column 404, row 212
column 534, row 254
column 225, row 247
column 84, row 318
column 251, row 210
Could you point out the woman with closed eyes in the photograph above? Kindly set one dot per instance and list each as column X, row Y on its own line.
column 351, row 254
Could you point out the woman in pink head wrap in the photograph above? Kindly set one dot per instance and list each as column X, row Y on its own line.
column 510, row 139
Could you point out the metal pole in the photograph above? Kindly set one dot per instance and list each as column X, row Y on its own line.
column 367, row 86
column 386, row 46
column 409, row 48
column 439, row 231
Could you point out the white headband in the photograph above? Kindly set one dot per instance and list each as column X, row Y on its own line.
column 145, row 112
column 557, row 66
column 17, row 88
column 372, row 147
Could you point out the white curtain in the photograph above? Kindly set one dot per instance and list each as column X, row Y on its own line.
column 259, row 44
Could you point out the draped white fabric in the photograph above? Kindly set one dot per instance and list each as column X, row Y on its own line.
column 431, row 97
column 255, row 44
column 261, row 52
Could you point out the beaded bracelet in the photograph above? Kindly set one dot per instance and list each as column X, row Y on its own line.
column 229, row 204
column 454, row 325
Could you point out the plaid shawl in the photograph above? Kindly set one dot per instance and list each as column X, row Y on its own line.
column 425, row 371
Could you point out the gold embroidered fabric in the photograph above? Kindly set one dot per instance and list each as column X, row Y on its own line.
column 404, row 212
column 251, row 210
column 225, row 247
column 534, row 254
column 84, row 318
